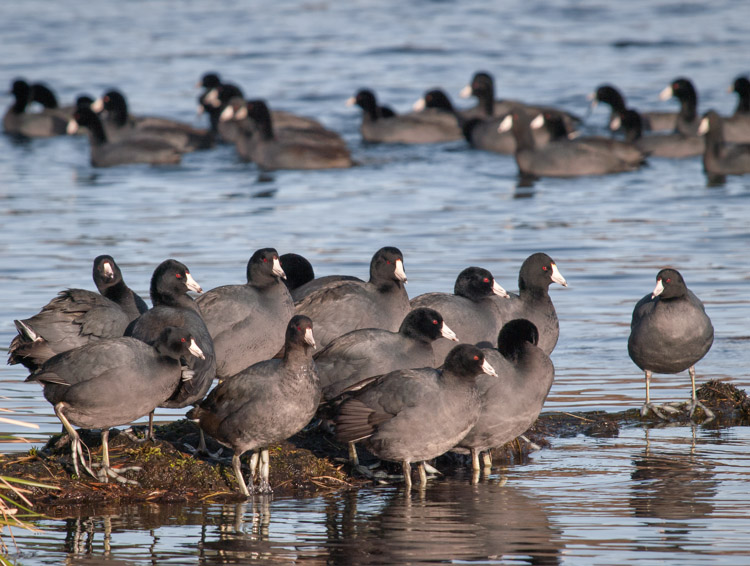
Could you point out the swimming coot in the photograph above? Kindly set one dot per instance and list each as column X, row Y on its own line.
column 721, row 157
column 128, row 150
column 18, row 122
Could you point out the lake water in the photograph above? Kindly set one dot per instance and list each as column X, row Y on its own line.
column 583, row 501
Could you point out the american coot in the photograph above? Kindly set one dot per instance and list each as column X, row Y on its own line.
column 248, row 322
column 18, row 122
column 673, row 145
column 113, row 382
column 482, row 86
column 651, row 120
column 77, row 316
column 512, row 401
column 414, row 415
column 123, row 152
column 120, row 124
column 670, row 332
column 413, row 128
column 298, row 270
column 624, row 150
column 45, row 96
column 481, row 133
column 469, row 310
column 722, row 158
column 172, row 306
column 264, row 404
column 687, row 118
column 213, row 101
column 291, row 152
column 558, row 158
column 737, row 126
column 373, row 351
column 291, row 130
column 342, row 306
column 533, row 302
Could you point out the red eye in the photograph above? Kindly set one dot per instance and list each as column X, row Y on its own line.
column 183, row 340
column 544, row 268
column 388, row 261
column 178, row 275
column 299, row 328
column 476, row 358
column 265, row 260
column 486, row 280
column 669, row 281
column 434, row 321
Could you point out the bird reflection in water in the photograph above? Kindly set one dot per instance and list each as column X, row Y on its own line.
column 673, row 487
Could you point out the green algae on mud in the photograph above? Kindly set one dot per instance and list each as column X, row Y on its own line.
column 307, row 464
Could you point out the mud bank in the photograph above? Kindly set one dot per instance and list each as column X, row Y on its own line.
column 309, row 463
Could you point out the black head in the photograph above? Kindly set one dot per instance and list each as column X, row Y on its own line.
column 538, row 272
column 608, row 94
column 171, row 280
column 84, row 101
column 365, row 99
column 425, row 324
column 86, row 117
column 299, row 332
column 669, row 284
column 20, row 88
column 229, row 91
column 683, row 89
column 264, row 267
column 257, row 110
column 114, row 101
column 177, row 343
column 631, row 123
column 482, row 83
column 467, row 361
column 298, row 270
column 474, row 283
column 42, row 94
column 438, row 99
column 106, row 272
column 386, row 112
column 555, row 125
column 741, row 86
column 210, row 80
column 387, row 266
column 514, row 335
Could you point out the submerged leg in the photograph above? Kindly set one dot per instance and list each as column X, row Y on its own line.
column 106, row 471
column 406, row 467
column 265, row 470
column 694, row 402
column 237, row 466
column 75, row 442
